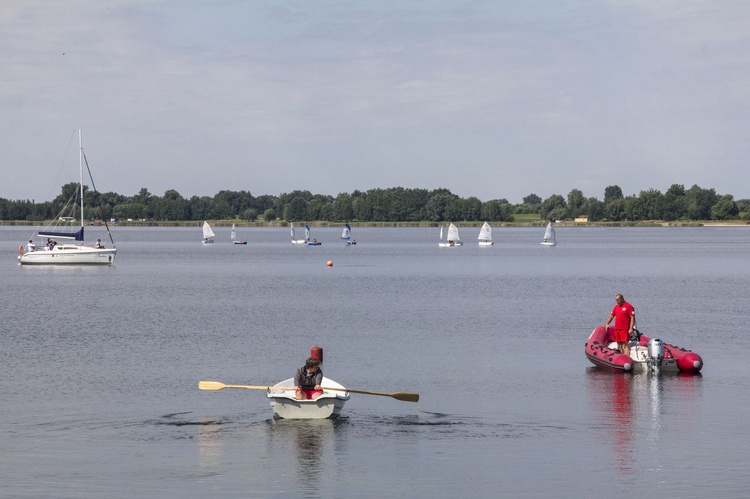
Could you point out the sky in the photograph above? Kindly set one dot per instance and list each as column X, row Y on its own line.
column 495, row 99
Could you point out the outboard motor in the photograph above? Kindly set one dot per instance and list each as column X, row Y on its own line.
column 655, row 354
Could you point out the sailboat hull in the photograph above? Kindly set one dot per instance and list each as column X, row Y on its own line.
column 69, row 254
column 486, row 243
column 549, row 243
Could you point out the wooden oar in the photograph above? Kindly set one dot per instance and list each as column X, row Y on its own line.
column 216, row 385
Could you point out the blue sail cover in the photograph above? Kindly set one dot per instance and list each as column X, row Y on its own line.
column 78, row 235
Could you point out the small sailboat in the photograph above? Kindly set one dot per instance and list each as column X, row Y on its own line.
column 308, row 239
column 294, row 240
column 485, row 235
column 208, row 234
column 453, row 239
column 233, row 236
column 346, row 234
column 52, row 253
column 549, row 236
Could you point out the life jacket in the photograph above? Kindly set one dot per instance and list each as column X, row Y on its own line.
column 307, row 381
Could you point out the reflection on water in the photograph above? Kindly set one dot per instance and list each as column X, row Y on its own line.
column 611, row 396
column 209, row 445
column 641, row 410
column 311, row 439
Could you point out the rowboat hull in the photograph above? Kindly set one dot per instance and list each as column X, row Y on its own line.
column 328, row 405
column 69, row 254
column 601, row 350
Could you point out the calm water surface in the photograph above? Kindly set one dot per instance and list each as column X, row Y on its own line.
column 99, row 366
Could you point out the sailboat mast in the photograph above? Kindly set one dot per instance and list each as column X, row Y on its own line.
column 80, row 170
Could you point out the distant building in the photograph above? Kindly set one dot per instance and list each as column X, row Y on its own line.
column 582, row 219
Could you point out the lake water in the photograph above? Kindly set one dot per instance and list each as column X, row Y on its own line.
column 99, row 367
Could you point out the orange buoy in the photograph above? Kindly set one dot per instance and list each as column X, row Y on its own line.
column 317, row 353
column 330, row 263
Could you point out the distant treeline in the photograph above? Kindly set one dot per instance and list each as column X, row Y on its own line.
column 395, row 204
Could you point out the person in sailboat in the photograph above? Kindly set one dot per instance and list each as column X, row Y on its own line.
column 307, row 380
column 51, row 243
column 30, row 246
column 98, row 244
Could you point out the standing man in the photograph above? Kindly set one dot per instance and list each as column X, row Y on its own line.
column 624, row 317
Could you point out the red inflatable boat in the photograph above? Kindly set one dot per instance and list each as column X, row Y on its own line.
column 646, row 354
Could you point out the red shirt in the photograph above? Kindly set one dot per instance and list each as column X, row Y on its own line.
column 622, row 314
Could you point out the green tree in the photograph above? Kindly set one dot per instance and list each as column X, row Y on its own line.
column 674, row 206
column 576, row 203
column 595, row 210
column 342, row 207
column 699, row 202
column 725, row 208
column 611, row 193
column 549, row 211
column 532, row 199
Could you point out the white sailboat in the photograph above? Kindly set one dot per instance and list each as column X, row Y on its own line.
column 51, row 253
column 296, row 241
column 453, row 239
column 208, row 234
column 233, row 236
column 308, row 239
column 549, row 236
column 485, row 235
column 346, row 234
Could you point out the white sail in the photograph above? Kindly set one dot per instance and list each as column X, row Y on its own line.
column 208, row 234
column 453, row 234
column 307, row 232
column 442, row 227
column 549, row 236
column 347, row 232
column 485, row 233
column 294, row 240
column 233, row 235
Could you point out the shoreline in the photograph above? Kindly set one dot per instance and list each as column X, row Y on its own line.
column 536, row 223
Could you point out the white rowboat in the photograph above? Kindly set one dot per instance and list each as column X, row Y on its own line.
column 286, row 406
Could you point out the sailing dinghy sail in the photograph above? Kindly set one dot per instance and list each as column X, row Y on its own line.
column 308, row 239
column 549, row 236
column 294, row 240
column 453, row 239
column 346, row 234
column 485, row 235
column 208, row 234
column 233, row 236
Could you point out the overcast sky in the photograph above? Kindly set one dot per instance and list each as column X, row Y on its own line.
column 493, row 99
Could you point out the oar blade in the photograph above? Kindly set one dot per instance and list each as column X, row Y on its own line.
column 211, row 385
column 406, row 397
